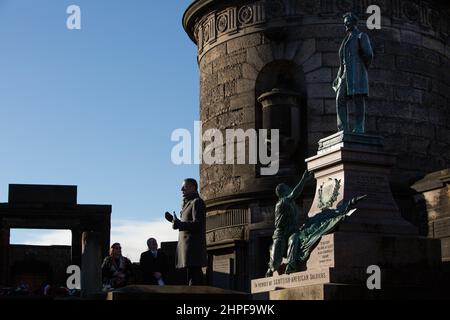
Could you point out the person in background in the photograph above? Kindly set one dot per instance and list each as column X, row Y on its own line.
column 153, row 264
column 116, row 269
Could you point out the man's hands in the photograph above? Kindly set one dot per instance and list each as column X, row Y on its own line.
column 168, row 217
column 173, row 219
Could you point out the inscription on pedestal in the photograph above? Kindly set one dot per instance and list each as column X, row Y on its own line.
column 323, row 255
column 299, row 279
column 325, row 252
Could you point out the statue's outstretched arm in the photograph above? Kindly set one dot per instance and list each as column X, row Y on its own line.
column 299, row 187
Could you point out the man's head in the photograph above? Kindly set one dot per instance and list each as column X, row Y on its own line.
column 152, row 244
column 283, row 190
column 189, row 186
column 350, row 21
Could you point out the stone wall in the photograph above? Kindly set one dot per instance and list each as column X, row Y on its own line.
column 56, row 258
column 433, row 202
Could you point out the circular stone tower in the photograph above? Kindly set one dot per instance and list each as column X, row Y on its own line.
column 269, row 64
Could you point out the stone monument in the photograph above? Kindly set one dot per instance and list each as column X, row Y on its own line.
column 288, row 49
column 348, row 164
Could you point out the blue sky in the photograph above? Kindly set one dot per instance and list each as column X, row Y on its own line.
column 96, row 107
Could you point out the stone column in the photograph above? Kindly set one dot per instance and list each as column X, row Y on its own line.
column 4, row 255
column 91, row 260
column 76, row 247
column 106, row 237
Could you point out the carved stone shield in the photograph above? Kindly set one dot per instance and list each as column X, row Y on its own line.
column 328, row 193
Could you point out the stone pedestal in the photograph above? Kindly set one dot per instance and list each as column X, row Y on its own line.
column 76, row 247
column 350, row 165
column 332, row 291
column 341, row 260
column 346, row 166
column 91, row 260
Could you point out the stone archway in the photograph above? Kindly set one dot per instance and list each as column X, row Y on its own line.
column 55, row 207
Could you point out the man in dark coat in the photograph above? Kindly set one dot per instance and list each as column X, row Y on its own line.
column 352, row 81
column 191, row 248
column 153, row 264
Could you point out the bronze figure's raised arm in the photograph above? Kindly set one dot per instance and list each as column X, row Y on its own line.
column 297, row 243
column 285, row 220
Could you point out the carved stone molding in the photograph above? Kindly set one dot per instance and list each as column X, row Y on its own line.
column 226, row 218
column 245, row 15
column 232, row 233
column 208, row 27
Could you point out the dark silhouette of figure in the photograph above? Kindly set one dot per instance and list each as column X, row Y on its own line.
column 191, row 248
column 116, row 269
column 153, row 264
column 285, row 221
column 352, row 82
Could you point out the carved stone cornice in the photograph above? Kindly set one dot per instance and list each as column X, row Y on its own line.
column 211, row 22
column 192, row 14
